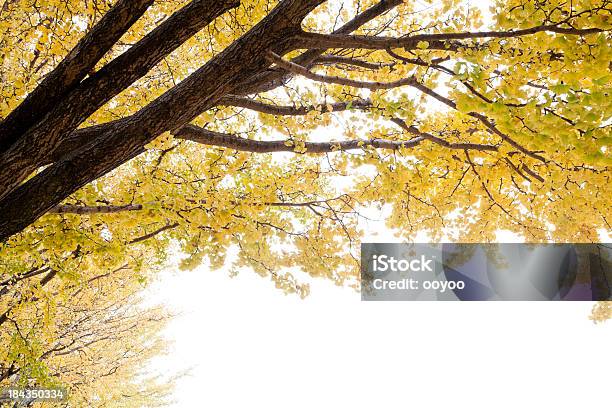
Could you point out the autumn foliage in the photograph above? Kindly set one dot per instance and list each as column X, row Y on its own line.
column 133, row 131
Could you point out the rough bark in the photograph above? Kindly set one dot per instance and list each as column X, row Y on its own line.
column 125, row 138
column 39, row 142
column 77, row 64
column 281, row 110
column 258, row 82
column 303, row 71
column 271, row 79
column 82, row 137
column 438, row 41
column 210, row 138
column 97, row 209
column 217, row 139
column 207, row 137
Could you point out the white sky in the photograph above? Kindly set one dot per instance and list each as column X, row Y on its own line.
column 251, row 346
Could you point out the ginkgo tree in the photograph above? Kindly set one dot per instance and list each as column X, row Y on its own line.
column 134, row 128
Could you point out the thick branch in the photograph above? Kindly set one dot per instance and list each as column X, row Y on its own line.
column 81, row 137
column 324, row 41
column 98, row 209
column 73, row 68
column 438, row 41
column 210, row 138
column 126, row 138
column 271, row 79
column 40, row 141
column 533, row 174
column 292, row 110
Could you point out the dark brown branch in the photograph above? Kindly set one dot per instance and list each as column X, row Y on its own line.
column 336, row 59
column 18, row 278
column 210, row 138
column 258, row 106
column 125, row 139
column 82, row 137
column 532, row 173
column 98, row 209
column 300, row 70
column 516, row 169
column 40, row 141
column 154, row 233
column 325, row 41
column 270, row 79
column 438, row 41
column 73, row 68
column 418, row 61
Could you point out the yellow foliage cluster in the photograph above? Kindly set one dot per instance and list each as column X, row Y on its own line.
column 547, row 92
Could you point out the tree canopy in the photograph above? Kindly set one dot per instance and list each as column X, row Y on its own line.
column 132, row 130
